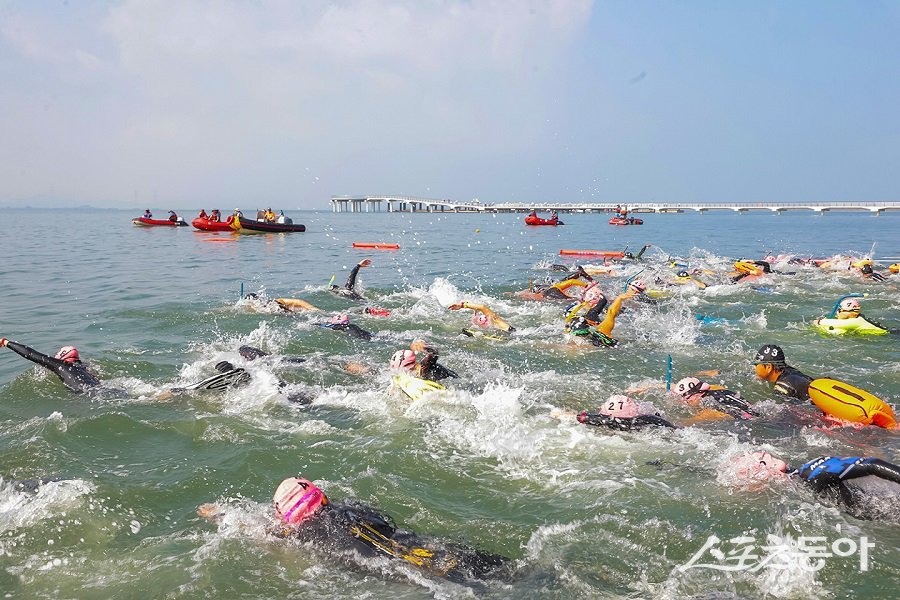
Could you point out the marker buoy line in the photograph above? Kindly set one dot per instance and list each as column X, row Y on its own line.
column 376, row 245
column 603, row 253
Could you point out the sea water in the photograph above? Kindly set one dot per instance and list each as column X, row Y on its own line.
column 496, row 462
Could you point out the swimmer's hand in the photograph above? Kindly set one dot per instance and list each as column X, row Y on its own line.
column 457, row 306
column 418, row 346
column 365, row 262
column 355, row 368
column 212, row 512
column 561, row 413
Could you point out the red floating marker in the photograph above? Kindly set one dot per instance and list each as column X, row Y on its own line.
column 377, row 311
column 601, row 253
column 376, row 245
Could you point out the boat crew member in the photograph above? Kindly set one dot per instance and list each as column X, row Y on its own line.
column 66, row 365
column 215, row 216
column 148, row 214
column 202, row 214
column 349, row 289
column 172, row 216
column 269, row 216
column 352, row 529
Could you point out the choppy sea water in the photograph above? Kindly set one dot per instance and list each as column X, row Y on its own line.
column 579, row 509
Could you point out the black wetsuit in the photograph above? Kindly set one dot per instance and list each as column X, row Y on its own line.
column 623, row 423
column 793, row 383
column 31, row 485
column 348, row 290
column 728, row 402
column 352, row 527
column 251, row 353
column 428, row 368
column 354, row 331
column 74, row 376
column 869, row 487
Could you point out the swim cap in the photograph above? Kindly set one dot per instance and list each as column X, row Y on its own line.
column 620, row 406
column 690, row 386
column 756, row 466
column 339, row 319
column 479, row 319
column 224, row 366
column 770, row 354
column 867, row 269
column 297, row 499
column 850, row 305
column 593, row 294
column 403, row 359
column 894, row 268
column 68, row 354
column 638, row 285
column 682, row 274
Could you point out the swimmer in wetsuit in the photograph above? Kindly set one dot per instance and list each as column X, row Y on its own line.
column 484, row 317
column 623, row 414
column 349, row 289
column 769, row 364
column 639, row 289
column 66, row 365
column 714, row 399
column 584, row 319
column 341, row 322
column 351, row 528
column 427, row 368
column 867, row 487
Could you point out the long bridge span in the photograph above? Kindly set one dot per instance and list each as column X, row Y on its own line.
column 400, row 203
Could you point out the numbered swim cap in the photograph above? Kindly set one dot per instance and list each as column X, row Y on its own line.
column 850, row 305
column 479, row 319
column 690, row 386
column 297, row 499
column 403, row 359
column 620, row 406
column 340, row 319
column 68, row 354
column 638, row 285
column 593, row 295
column 770, row 354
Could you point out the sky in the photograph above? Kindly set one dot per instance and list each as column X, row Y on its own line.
column 218, row 103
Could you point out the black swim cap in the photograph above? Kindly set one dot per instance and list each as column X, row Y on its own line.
column 770, row 354
column 250, row 353
column 224, row 367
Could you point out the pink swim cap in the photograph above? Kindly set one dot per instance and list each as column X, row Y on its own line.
column 403, row 359
column 638, row 285
column 592, row 294
column 756, row 466
column 850, row 304
column 690, row 386
column 340, row 319
column 68, row 354
column 297, row 499
column 479, row 319
column 620, row 406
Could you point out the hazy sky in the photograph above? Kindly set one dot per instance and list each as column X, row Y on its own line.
column 286, row 102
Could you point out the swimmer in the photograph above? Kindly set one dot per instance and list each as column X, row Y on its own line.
column 624, row 414
column 683, row 277
column 66, row 365
column 427, row 368
column 341, row 322
column 284, row 304
column 250, row 353
column 583, row 320
column 713, row 398
column 349, row 289
column 350, row 528
column 869, row 273
column 483, row 317
column 230, row 377
column 769, row 364
column 750, row 269
column 867, row 487
column 638, row 288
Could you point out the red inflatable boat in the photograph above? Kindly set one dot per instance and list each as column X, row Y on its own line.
column 159, row 222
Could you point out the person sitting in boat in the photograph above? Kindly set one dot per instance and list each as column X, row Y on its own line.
column 714, row 401
column 269, row 216
column 215, row 216
column 623, row 414
column 66, row 365
column 353, row 530
column 148, row 214
column 867, row 487
column 583, row 320
column 203, row 214
column 427, row 368
column 533, row 213
column 281, row 218
column 770, row 365
column 349, row 289
column 554, row 216
column 341, row 322
column 483, row 317
column 172, row 216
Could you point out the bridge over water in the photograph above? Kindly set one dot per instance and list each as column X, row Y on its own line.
column 399, row 203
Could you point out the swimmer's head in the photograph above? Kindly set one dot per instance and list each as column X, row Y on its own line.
column 297, row 499
column 690, row 386
column 403, row 359
column 593, row 295
column 849, row 306
column 638, row 285
column 68, row 354
column 620, row 406
column 683, row 274
column 755, row 467
column 339, row 319
column 479, row 319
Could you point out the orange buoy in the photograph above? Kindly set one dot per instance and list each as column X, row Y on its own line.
column 600, row 253
column 376, row 245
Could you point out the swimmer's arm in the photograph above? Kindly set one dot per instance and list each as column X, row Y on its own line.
column 33, row 355
column 876, row 467
column 211, row 511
